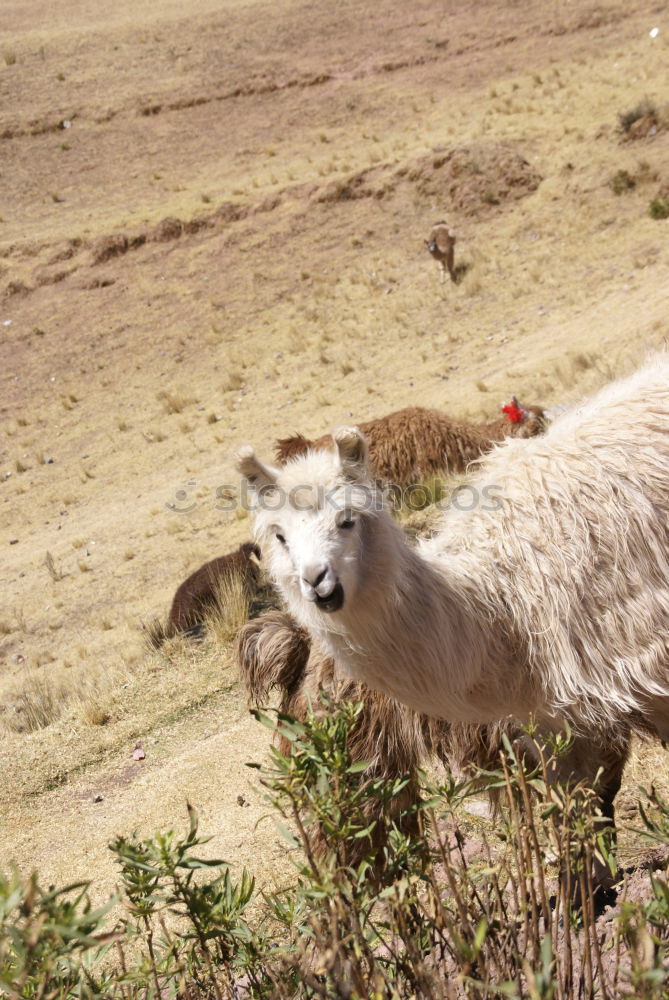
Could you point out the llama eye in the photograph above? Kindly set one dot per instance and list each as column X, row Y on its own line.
column 280, row 538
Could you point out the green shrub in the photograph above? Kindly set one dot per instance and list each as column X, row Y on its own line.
column 622, row 181
column 439, row 917
column 659, row 208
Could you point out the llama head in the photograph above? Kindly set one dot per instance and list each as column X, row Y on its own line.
column 312, row 520
column 524, row 421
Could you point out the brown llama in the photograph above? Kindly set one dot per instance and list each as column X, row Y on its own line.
column 441, row 244
column 198, row 594
column 273, row 651
column 411, row 444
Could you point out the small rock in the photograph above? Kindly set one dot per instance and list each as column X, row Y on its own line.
column 138, row 752
column 18, row 658
column 478, row 807
column 47, row 460
column 13, row 541
column 97, row 798
column 241, row 801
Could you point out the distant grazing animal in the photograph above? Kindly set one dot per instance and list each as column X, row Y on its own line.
column 553, row 604
column 411, row 444
column 273, row 651
column 198, row 594
column 441, row 244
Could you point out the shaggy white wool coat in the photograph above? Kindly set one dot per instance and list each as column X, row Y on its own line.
column 554, row 601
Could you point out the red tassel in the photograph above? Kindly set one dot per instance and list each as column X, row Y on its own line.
column 514, row 412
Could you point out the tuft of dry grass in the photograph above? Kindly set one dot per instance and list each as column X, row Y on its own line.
column 233, row 381
column 36, row 701
column 154, row 633
column 233, row 599
column 175, row 400
column 55, row 572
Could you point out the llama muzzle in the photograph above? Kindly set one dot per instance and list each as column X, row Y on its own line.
column 333, row 601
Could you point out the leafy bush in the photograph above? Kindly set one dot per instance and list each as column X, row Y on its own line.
column 454, row 912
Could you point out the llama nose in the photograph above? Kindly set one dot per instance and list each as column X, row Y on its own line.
column 317, row 581
column 314, row 577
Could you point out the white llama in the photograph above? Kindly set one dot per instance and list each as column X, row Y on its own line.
column 549, row 598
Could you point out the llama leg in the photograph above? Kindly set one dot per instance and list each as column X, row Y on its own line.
column 604, row 763
column 442, row 272
column 451, row 263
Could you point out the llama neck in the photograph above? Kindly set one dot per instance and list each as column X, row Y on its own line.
column 470, row 441
column 497, row 430
column 414, row 629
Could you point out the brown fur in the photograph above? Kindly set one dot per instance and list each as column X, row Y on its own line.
column 412, row 444
column 441, row 244
column 274, row 652
column 198, row 593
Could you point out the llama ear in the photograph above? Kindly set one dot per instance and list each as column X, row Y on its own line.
column 258, row 475
column 352, row 449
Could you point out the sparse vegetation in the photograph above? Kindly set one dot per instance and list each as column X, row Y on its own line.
column 442, row 921
column 36, row 704
column 644, row 109
column 659, row 208
column 622, row 181
column 175, row 400
column 233, row 598
column 55, row 572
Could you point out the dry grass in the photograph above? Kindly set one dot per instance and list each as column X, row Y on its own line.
column 175, row 400
column 37, row 701
column 233, row 599
column 55, row 572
